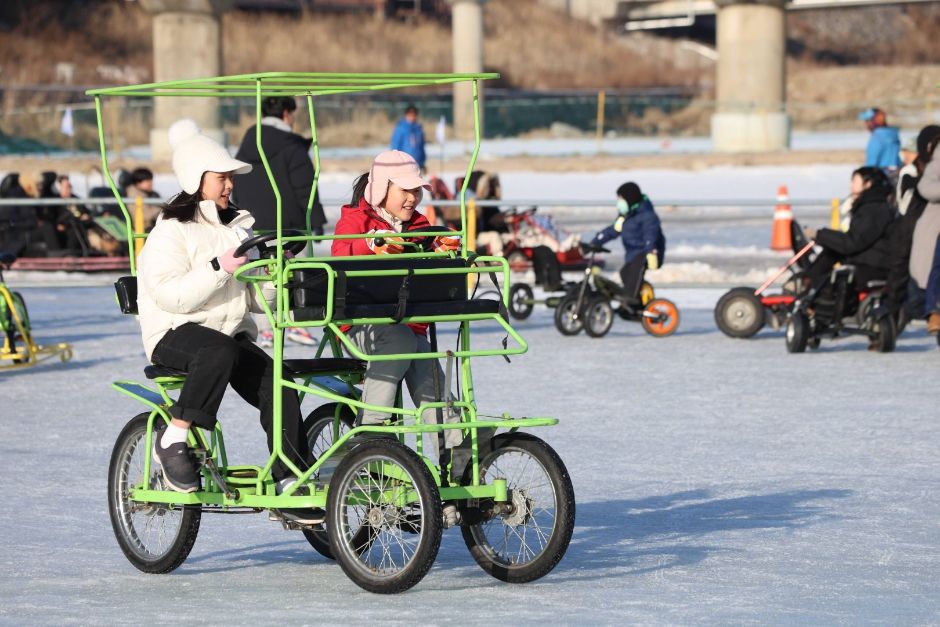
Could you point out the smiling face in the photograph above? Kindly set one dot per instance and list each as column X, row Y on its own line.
column 217, row 187
column 402, row 203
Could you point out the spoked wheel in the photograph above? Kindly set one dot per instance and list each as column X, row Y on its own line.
column 739, row 313
column 647, row 293
column 797, row 332
column 520, row 301
column 156, row 538
column 665, row 320
column 525, row 538
column 598, row 317
column 887, row 336
column 318, row 426
column 387, row 489
column 567, row 319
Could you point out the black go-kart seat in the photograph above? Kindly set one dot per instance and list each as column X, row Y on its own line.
column 293, row 368
column 388, row 296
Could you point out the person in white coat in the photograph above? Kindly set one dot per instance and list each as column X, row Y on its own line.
column 195, row 316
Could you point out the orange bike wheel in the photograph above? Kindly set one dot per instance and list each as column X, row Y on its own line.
column 667, row 317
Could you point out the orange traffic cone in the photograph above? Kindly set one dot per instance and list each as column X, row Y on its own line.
column 781, row 238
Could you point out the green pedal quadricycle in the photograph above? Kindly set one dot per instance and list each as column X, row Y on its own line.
column 386, row 501
column 18, row 349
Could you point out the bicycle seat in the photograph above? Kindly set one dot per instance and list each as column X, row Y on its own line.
column 153, row 371
column 324, row 365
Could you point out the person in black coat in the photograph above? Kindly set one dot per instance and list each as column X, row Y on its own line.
column 865, row 245
column 902, row 230
column 287, row 154
column 16, row 221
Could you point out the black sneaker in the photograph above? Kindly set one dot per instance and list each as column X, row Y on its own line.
column 299, row 515
column 303, row 515
column 179, row 465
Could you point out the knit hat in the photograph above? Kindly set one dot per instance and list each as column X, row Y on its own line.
column 195, row 154
column 392, row 166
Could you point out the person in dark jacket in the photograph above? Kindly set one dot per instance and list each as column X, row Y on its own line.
column 901, row 234
column 287, row 154
column 865, row 245
column 642, row 237
column 16, row 221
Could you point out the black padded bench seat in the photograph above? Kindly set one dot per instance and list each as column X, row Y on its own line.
column 394, row 296
column 292, row 368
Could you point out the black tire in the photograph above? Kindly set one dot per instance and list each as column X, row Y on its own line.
column 739, row 313
column 567, row 319
column 520, row 301
column 490, row 540
column 598, row 317
column 154, row 538
column 318, row 425
column 797, row 332
column 355, row 502
column 887, row 335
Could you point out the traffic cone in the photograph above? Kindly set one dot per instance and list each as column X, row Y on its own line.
column 782, row 237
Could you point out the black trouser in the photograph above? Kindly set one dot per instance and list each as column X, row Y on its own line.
column 818, row 272
column 631, row 275
column 213, row 360
column 547, row 267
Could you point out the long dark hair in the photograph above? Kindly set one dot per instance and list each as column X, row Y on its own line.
column 182, row 207
column 359, row 189
column 875, row 176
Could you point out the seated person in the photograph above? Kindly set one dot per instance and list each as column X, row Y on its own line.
column 865, row 245
column 641, row 234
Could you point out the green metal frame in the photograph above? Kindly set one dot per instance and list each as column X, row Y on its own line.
column 254, row 485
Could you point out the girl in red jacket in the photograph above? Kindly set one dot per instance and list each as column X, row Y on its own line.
column 385, row 200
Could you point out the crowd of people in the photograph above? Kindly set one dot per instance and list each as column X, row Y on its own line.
column 890, row 225
column 73, row 228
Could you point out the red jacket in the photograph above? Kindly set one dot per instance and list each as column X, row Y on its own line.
column 361, row 220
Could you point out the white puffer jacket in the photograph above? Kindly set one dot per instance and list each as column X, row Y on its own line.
column 176, row 283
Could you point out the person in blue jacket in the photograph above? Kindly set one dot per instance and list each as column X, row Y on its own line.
column 408, row 136
column 641, row 234
column 884, row 143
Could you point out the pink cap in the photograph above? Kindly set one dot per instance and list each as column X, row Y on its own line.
column 396, row 167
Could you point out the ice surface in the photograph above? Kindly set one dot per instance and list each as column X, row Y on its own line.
column 718, row 481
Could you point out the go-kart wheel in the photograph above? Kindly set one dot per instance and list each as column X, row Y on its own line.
column 886, row 337
column 647, row 293
column 156, row 538
column 383, row 486
column 598, row 317
column 518, row 261
column 798, row 333
column 259, row 241
column 524, row 539
column 568, row 320
column 318, row 426
column 739, row 313
column 665, row 318
column 521, row 301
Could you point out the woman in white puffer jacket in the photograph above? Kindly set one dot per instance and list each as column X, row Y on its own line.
column 195, row 316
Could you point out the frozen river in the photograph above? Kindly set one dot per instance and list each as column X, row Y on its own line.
column 717, row 481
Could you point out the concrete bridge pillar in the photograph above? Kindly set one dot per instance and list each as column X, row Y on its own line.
column 187, row 43
column 467, row 28
column 751, row 82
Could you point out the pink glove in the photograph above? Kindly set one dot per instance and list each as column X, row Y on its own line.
column 447, row 242
column 230, row 263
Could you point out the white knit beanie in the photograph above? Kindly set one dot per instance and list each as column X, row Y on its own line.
column 195, row 153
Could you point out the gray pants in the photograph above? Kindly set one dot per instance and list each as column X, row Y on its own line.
column 383, row 377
